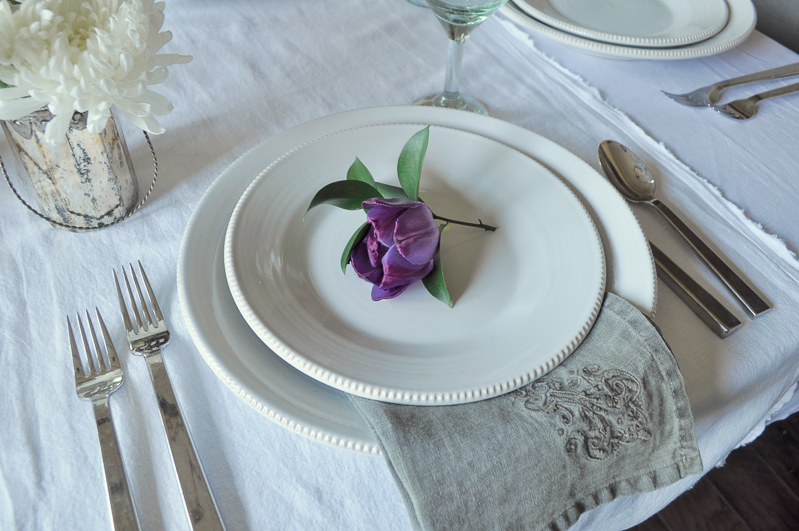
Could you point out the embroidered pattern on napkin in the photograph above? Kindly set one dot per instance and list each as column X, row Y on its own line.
column 612, row 420
column 601, row 409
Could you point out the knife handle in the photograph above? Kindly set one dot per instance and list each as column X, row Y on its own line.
column 773, row 73
column 712, row 312
column 753, row 303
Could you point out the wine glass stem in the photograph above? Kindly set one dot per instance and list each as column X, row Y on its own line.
column 452, row 82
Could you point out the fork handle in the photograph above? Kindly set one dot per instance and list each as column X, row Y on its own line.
column 119, row 499
column 199, row 503
column 774, row 73
column 788, row 89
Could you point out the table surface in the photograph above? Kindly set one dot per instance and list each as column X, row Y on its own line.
column 260, row 68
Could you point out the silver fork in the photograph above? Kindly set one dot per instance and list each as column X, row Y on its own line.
column 103, row 378
column 747, row 108
column 706, row 96
column 147, row 337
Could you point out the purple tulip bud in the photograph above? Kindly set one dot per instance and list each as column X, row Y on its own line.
column 400, row 246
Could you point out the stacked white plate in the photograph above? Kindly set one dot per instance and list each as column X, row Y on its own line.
column 267, row 305
column 639, row 29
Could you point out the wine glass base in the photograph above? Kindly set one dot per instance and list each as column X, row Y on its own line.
column 463, row 103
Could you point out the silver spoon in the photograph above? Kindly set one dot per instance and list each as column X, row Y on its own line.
column 632, row 178
column 747, row 108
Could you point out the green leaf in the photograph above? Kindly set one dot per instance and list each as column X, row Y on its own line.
column 357, row 238
column 434, row 281
column 359, row 172
column 390, row 191
column 3, row 85
column 344, row 194
column 409, row 165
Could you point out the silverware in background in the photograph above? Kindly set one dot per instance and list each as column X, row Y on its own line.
column 632, row 178
column 746, row 108
column 712, row 312
column 706, row 96
column 147, row 337
column 103, row 377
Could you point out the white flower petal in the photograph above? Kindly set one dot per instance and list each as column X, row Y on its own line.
column 96, row 120
column 13, row 109
column 169, row 59
column 57, row 128
column 12, row 93
column 85, row 55
column 148, row 123
column 159, row 105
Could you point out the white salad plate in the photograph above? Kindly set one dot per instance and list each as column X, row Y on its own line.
column 524, row 296
column 740, row 25
column 646, row 23
column 287, row 396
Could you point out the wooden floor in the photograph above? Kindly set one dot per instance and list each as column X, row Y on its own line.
column 757, row 489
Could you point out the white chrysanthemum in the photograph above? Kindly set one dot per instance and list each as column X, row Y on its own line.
column 84, row 55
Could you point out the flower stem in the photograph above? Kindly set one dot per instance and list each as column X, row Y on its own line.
column 480, row 225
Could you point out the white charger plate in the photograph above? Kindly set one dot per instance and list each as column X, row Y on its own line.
column 740, row 25
column 525, row 296
column 647, row 23
column 287, row 396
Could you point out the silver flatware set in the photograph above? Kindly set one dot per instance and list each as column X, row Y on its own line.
column 631, row 177
column 741, row 109
column 147, row 335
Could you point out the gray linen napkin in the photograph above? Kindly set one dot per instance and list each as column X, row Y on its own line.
column 612, row 420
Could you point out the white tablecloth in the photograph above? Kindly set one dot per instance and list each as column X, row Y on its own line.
column 262, row 67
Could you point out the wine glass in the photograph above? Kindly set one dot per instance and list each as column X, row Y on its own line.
column 459, row 18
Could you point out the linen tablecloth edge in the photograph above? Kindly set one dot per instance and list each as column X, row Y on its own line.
column 772, row 416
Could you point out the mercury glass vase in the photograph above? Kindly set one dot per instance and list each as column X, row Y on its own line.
column 86, row 181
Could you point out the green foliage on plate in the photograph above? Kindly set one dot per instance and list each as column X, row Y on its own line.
column 344, row 194
column 409, row 165
column 434, row 281
column 400, row 242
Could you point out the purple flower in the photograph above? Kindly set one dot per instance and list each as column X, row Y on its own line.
column 400, row 247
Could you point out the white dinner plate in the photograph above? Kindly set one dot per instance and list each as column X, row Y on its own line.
column 524, row 296
column 646, row 23
column 285, row 395
column 740, row 25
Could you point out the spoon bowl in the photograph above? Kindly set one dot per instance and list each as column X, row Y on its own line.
column 738, row 109
column 747, row 108
column 627, row 172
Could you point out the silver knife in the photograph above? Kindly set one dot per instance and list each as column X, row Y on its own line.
column 709, row 309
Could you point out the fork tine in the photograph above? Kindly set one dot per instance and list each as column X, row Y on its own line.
column 102, row 365
column 86, row 348
column 76, row 363
column 132, row 299
column 156, row 309
column 675, row 97
column 144, row 309
column 113, row 359
column 123, row 308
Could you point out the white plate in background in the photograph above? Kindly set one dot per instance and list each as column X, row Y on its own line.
column 643, row 23
column 739, row 27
